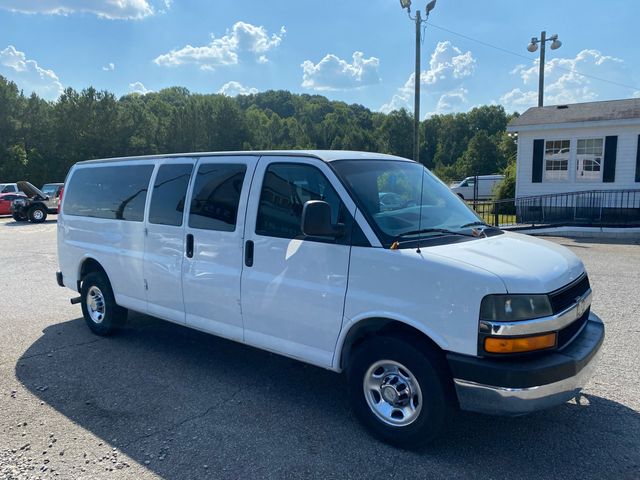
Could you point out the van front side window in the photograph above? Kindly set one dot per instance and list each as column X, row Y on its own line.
column 285, row 189
column 216, row 195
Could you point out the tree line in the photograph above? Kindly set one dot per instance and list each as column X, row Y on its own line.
column 40, row 140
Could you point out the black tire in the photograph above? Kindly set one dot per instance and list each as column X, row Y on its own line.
column 112, row 315
column 19, row 218
column 429, row 370
column 37, row 214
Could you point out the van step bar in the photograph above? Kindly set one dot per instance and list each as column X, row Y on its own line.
column 75, row 300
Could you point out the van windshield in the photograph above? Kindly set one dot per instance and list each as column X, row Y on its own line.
column 388, row 192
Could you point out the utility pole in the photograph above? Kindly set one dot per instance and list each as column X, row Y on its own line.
column 406, row 4
column 532, row 47
column 416, row 99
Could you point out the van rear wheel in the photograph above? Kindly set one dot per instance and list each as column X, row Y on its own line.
column 398, row 390
column 99, row 308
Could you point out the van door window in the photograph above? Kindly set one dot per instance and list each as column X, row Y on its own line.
column 216, row 195
column 169, row 192
column 285, row 189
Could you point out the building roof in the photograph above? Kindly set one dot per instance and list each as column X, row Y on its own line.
column 325, row 155
column 579, row 112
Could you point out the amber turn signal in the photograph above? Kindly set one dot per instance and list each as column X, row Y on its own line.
column 520, row 344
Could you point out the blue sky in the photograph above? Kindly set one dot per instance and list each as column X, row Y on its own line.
column 356, row 51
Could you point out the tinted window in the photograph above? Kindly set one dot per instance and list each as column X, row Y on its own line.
column 169, row 191
column 109, row 192
column 216, row 195
column 285, row 189
column 8, row 188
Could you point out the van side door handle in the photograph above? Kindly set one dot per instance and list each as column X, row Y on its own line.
column 189, row 246
column 248, row 253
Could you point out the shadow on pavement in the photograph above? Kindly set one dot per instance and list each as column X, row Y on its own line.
column 180, row 400
column 14, row 224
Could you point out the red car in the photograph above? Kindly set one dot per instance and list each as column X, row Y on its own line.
column 6, row 199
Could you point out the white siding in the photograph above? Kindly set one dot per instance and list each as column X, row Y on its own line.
column 625, row 160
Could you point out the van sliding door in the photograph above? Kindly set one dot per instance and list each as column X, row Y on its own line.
column 213, row 244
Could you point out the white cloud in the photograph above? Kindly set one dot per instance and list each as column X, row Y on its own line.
column 448, row 61
column 563, row 83
column 109, row 67
column 233, row 88
column 448, row 67
column 243, row 38
column 28, row 75
column 452, row 101
column 110, row 9
column 334, row 73
column 138, row 87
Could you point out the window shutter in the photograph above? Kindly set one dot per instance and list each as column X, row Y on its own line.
column 610, row 150
column 638, row 161
column 538, row 163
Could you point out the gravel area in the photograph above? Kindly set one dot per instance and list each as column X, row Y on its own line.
column 163, row 401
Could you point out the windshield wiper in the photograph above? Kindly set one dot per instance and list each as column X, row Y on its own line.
column 476, row 224
column 434, row 230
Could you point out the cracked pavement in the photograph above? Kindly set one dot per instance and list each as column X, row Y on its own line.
column 163, row 401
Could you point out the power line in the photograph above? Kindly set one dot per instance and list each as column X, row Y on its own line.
column 516, row 54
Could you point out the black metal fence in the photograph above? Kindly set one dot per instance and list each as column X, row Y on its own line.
column 590, row 208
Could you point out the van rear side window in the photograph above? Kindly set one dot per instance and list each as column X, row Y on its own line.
column 112, row 192
column 169, row 192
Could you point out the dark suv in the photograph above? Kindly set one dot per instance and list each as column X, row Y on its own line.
column 34, row 207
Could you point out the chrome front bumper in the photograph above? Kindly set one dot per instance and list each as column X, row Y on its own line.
column 513, row 395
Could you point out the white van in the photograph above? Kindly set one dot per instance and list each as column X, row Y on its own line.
column 423, row 306
column 486, row 183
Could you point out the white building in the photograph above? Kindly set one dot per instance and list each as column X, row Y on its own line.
column 578, row 147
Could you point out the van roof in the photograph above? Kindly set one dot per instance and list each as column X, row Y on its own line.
column 324, row 155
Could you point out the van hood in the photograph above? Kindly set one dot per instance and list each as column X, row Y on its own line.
column 524, row 263
column 31, row 191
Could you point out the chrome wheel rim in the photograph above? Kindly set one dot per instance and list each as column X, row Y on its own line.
column 95, row 304
column 392, row 393
column 37, row 214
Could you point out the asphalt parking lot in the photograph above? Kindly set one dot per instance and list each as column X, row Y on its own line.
column 163, row 401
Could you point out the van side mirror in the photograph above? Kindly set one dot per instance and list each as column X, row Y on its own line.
column 316, row 220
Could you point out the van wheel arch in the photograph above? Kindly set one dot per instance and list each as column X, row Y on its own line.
column 460, row 195
column 90, row 265
column 383, row 327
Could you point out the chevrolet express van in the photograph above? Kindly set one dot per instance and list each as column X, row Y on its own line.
column 303, row 253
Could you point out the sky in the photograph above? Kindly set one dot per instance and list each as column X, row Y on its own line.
column 473, row 52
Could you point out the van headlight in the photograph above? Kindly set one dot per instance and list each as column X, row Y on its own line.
column 512, row 308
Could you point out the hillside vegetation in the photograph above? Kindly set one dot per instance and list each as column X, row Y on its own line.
column 40, row 140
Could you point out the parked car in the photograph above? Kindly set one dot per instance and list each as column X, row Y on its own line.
column 34, row 207
column 9, row 188
column 441, row 310
column 486, row 183
column 53, row 191
column 6, row 199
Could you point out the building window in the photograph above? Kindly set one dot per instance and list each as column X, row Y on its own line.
column 556, row 160
column 589, row 159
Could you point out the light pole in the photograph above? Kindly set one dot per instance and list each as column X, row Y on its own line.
column 416, row 99
column 532, row 47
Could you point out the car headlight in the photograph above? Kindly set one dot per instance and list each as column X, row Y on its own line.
column 512, row 308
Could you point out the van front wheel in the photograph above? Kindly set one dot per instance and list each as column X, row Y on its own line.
column 99, row 308
column 398, row 390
